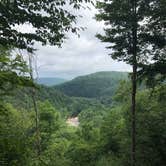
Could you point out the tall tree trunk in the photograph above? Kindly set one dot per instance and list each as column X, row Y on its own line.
column 134, row 85
column 33, row 94
column 133, row 117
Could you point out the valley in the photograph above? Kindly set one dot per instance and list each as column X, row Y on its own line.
column 82, row 82
column 80, row 123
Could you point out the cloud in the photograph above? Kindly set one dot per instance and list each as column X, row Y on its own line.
column 78, row 56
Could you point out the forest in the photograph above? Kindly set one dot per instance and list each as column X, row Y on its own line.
column 121, row 115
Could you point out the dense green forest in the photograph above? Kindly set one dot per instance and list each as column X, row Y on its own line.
column 102, row 137
column 121, row 116
column 95, row 85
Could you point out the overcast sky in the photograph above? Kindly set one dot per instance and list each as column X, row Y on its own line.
column 78, row 56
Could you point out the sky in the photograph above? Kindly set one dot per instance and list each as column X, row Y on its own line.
column 79, row 55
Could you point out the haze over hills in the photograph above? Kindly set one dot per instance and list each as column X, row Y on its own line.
column 50, row 81
column 94, row 85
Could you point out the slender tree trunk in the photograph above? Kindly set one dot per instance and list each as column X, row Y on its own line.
column 38, row 149
column 33, row 93
column 134, row 86
column 133, row 117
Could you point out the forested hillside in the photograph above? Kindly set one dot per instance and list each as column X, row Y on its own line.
column 69, row 106
column 94, row 85
column 102, row 137
column 50, row 81
column 120, row 117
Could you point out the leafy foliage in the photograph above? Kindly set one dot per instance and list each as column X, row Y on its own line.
column 103, row 135
column 48, row 19
column 119, row 14
column 102, row 138
column 16, row 139
column 12, row 71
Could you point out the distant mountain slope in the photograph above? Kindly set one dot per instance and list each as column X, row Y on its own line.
column 22, row 98
column 50, row 81
column 94, row 85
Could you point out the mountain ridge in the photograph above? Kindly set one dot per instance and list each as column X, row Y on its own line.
column 50, row 81
column 93, row 85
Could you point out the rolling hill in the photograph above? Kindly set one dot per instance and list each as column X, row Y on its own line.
column 50, row 81
column 94, row 85
column 93, row 90
column 22, row 98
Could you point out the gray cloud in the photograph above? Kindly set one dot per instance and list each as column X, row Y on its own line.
column 78, row 56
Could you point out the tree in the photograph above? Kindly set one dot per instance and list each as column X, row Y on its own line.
column 150, row 118
column 131, row 28
column 49, row 19
column 13, row 70
column 15, row 136
column 155, row 71
column 50, row 122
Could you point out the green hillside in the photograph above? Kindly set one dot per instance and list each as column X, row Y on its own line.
column 70, row 106
column 50, row 81
column 22, row 97
column 73, row 96
column 94, row 85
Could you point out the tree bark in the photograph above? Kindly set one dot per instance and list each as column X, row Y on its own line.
column 134, row 85
column 133, row 117
column 33, row 94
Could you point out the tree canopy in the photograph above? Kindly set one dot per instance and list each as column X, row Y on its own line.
column 50, row 19
column 118, row 17
column 13, row 71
